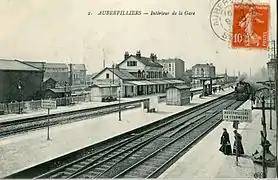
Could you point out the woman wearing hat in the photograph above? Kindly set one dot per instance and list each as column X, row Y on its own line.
column 225, row 143
column 238, row 144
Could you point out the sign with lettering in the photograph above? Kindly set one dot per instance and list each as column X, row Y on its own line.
column 244, row 115
column 48, row 104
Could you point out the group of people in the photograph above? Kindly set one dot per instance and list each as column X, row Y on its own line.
column 225, row 142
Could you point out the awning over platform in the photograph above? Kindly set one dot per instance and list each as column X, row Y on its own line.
column 158, row 82
column 140, row 83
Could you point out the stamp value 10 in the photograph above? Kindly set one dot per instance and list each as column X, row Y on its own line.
column 250, row 28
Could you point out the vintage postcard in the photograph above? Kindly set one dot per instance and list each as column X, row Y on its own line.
column 138, row 89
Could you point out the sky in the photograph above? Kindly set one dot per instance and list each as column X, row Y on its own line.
column 62, row 31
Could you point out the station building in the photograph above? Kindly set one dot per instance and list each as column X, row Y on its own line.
column 136, row 75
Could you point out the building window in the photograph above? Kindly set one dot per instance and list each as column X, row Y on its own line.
column 169, row 65
column 107, row 75
column 131, row 63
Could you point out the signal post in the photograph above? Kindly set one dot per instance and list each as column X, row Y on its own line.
column 48, row 104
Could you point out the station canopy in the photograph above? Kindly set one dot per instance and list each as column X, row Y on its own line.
column 140, row 83
column 208, row 78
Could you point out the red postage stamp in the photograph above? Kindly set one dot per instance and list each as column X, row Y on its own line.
column 250, row 26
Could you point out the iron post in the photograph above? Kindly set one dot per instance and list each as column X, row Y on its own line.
column 270, row 102
column 113, row 66
column 120, row 118
column 264, row 135
column 276, row 109
column 48, row 124
column 65, row 93
column 19, row 88
column 276, row 97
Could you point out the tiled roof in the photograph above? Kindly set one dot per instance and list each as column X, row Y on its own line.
column 16, row 65
column 47, row 65
column 58, row 90
column 56, row 65
column 48, row 78
column 123, row 74
column 147, row 61
column 203, row 65
column 169, row 60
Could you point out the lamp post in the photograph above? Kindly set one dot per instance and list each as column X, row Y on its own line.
column 120, row 116
column 270, row 102
column 264, row 135
column 65, row 93
column 19, row 88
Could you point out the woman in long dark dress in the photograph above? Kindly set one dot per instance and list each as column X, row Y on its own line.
column 225, row 143
column 238, row 144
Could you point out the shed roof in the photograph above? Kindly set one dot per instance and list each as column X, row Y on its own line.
column 15, row 65
column 47, row 65
column 105, row 85
column 58, row 90
column 56, row 65
column 179, row 87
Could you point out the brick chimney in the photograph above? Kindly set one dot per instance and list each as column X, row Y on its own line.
column 126, row 55
column 138, row 54
column 70, row 75
column 155, row 57
column 152, row 57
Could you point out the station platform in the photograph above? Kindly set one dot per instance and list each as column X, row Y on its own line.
column 79, row 106
column 21, row 151
column 61, row 109
column 213, row 163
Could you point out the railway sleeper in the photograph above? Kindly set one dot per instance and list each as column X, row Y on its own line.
column 71, row 169
column 77, row 166
column 110, row 163
column 83, row 163
column 58, row 175
column 147, row 166
column 136, row 174
column 105, row 166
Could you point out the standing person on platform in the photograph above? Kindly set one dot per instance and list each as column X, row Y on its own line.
column 238, row 144
column 191, row 94
column 214, row 90
column 225, row 143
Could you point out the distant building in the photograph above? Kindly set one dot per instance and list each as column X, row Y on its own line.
column 271, row 69
column 89, row 78
column 19, row 81
column 57, row 71
column 142, row 67
column 77, row 72
column 136, row 75
column 187, row 76
column 175, row 66
column 202, row 71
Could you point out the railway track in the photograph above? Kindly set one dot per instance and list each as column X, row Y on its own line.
column 30, row 124
column 142, row 154
column 21, row 126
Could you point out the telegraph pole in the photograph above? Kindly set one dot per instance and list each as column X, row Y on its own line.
column 113, row 66
column 103, row 58
column 276, row 97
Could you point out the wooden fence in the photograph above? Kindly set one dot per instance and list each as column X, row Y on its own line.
column 26, row 106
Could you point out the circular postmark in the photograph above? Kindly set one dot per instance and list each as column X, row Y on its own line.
column 221, row 19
